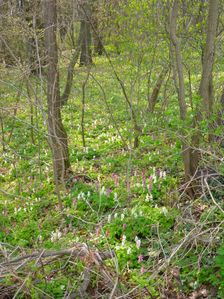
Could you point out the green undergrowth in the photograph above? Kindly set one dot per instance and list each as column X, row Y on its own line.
column 128, row 200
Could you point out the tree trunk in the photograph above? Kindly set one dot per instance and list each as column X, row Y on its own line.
column 179, row 82
column 206, row 85
column 85, row 33
column 57, row 136
column 97, row 37
column 154, row 96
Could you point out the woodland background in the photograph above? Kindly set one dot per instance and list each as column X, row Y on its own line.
column 112, row 174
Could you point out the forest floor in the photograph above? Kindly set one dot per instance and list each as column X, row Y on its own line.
column 128, row 201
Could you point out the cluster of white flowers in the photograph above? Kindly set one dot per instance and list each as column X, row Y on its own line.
column 123, row 240
column 116, row 216
column 162, row 174
column 108, row 138
column 135, row 213
column 56, row 235
column 149, row 197
column 81, row 195
column 37, row 199
column 17, row 210
column 137, row 243
column 103, row 191
column 86, row 150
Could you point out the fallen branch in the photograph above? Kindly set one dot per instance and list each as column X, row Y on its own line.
column 18, row 266
column 79, row 251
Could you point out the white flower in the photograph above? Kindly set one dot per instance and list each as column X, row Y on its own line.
column 123, row 240
column 109, row 218
column 88, row 194
column 165, row 211
column 55, row 235
column 102, row 191
column 81, row 195
column 59, row 235
column 140, row 213
column 137, row 242
column 122, row 216
column 115, row 215
column 148, row 197
column 128, row 250
column 115, row 196
column 154, row 178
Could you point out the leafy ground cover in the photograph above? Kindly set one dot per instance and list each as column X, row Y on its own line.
column 120, row 199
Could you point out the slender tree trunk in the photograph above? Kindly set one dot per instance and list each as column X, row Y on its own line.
column 221, row 110
column 70, row 75
column 56, row 133
column 155, row 93
column 179, row 82
column 206, row 85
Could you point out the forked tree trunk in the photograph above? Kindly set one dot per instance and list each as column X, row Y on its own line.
column 57, row 136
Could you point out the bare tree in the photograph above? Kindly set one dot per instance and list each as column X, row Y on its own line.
column 179, row 82
column 57, row 134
